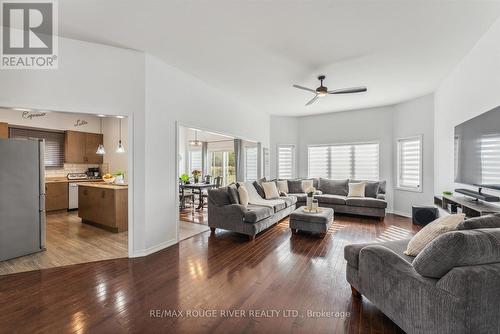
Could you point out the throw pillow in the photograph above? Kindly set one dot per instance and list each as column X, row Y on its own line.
column 487, row 221
column 334, row 187
column 431, row 231
column 306, row 184
column 357, row 189
column 260, row 190
column 270, row 190
column 282, row 186
column 371, row 189
column 295, row 186
column 233, row 194
column 243, row 194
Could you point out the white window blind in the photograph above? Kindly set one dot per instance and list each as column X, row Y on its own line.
column 490, row 160
column 410, row 163
column 355, row 161
column 250, row 163
column 286, row 161
column 54, row 144
column 195, row 161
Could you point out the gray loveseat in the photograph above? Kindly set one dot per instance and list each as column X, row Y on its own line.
column 226, row 213
column 333, row 194
column 452, row 286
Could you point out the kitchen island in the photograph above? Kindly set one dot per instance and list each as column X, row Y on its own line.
column 103, row 205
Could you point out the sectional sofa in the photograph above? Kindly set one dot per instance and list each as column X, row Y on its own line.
column 225, row 211
column 334, row 194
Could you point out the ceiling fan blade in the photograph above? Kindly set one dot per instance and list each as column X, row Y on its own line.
column 312, row 101
column 348, row 90
column 305, row 88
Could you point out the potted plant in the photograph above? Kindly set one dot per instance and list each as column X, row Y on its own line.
column 119, row 176
column 184, row 178
column 196, row 175
column 310, row 197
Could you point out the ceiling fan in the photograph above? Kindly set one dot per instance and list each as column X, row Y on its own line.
column 322, row 91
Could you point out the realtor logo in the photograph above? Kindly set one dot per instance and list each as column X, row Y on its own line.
column 29, row 34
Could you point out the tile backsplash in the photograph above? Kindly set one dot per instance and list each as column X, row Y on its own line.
column 71, row 168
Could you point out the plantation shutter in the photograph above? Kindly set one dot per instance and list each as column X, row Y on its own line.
column 358, row 161
column 409, row 169
column 318, row 159
column 195, row 161
column 490, row 160
column 54, row 143
column 250, row 163
column 286, row 161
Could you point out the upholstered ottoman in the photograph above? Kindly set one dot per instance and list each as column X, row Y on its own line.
column 316, row 222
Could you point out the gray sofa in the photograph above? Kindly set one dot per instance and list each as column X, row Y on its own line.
column 452, row 286
column 333, row 194
column 226, row 213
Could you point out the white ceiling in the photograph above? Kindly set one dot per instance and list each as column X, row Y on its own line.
column 256, row 50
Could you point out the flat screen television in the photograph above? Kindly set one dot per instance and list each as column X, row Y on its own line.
column 477, row 151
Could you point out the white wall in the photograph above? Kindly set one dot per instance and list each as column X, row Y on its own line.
column 471, row 89
column 284, row 131
column 200, row 106
column 366, row 125
column 412, row 118
column 111, row 134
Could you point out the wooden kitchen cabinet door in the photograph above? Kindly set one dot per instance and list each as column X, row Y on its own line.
column 92, row 141
column 4, row 131
column 56, row 196
column 74, row 147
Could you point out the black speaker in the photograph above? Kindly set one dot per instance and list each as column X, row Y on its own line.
column 423, row 215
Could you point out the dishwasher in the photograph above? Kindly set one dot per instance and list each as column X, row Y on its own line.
column 73, row 189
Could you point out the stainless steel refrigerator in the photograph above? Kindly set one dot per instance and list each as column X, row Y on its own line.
column 22, row 197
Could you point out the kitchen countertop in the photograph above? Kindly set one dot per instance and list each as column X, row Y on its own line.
column 63, row 179
column 103, row 185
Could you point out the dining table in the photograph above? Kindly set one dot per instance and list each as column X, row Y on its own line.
column 197, row 188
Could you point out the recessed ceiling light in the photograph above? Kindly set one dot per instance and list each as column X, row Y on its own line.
column 21, row 109
column 101, row 115
column 120, row 116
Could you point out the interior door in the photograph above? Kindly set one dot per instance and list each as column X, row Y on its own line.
column 20, row 231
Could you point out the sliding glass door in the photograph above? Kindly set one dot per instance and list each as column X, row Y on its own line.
column 222, row 163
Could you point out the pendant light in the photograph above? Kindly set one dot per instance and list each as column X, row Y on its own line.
column 195, row 142
column 100, row 149
column 120, row 148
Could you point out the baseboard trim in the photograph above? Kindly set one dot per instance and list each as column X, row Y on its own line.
column 402, row 214
column 153, row 249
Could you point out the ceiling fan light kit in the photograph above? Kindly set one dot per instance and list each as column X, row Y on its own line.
column 323, row 91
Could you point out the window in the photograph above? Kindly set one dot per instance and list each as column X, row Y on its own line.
column 54, row 143
column 195, row 161
column 286, row 161
column 250, row 163
column 353, row 161
column 490, row 160
column 410, row 164
column 222, row 163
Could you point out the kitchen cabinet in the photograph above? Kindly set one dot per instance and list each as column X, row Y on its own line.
column 81, row 147
column 4, row 130
column 103, row 205
column 56, row 196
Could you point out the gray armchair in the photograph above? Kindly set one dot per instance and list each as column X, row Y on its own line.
column 452, row 286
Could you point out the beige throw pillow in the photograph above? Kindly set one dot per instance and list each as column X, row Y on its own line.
column 282, row 186
column 270, row 190
column 432, row 231
column 243, row 192
column 357, row 189
column 306, row 184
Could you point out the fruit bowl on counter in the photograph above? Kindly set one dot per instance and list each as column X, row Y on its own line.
column 108, row 178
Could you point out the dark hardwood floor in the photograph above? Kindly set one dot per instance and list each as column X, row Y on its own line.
column 278, row 271
column 193, row 215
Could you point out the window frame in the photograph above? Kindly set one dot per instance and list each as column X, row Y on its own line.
column 292, row 146
column 245, row 162
column 400, row 140
column 372, row 142
column 190, row 161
